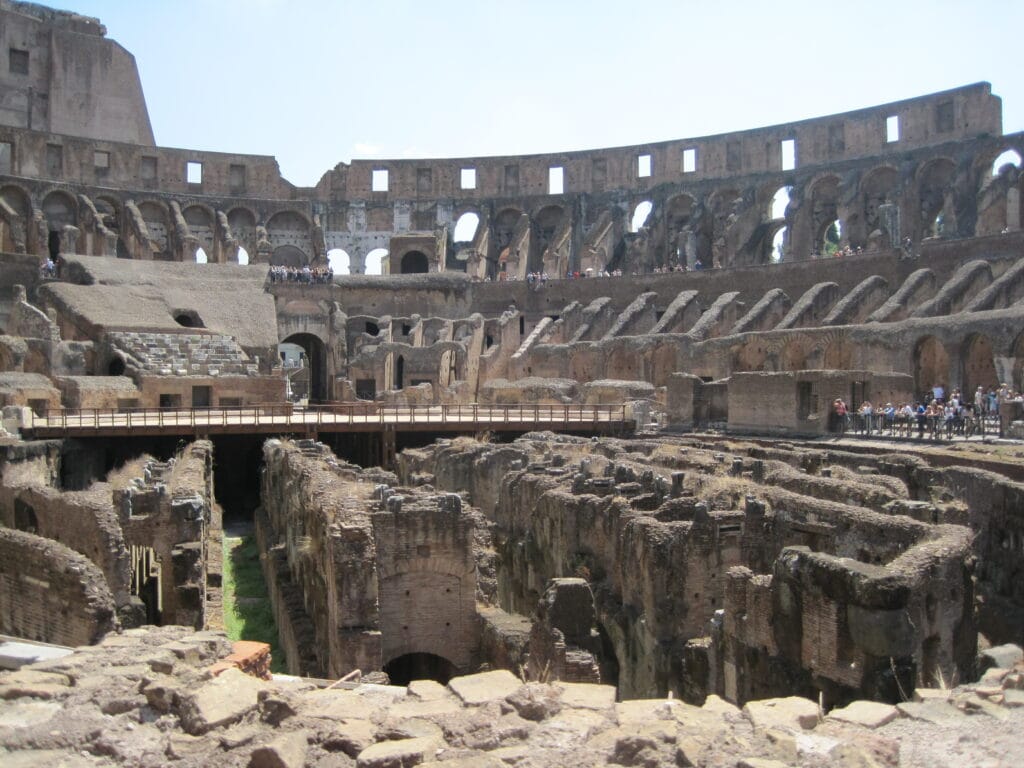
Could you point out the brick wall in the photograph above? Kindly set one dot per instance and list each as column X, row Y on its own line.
column 51, row 594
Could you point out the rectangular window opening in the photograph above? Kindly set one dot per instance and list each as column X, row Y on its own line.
column 17, row 61
column 194, row 172
column 511, row 178
column 892, row 129
column 379, row 181
column 424, row 180
column 101, row 159
column 6, row 157
column 643, row 166
column 944, row 117
column 147, row 169
column 54, row 160
column 467, row 178
column 788, row 154
column 236, row 178
column 689, row 160
column 556, row 180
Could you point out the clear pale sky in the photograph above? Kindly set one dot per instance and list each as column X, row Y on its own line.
column 318, row 82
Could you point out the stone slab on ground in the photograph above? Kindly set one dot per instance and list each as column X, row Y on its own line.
column 587, row 696
column 286, row 751
column 221, row 701
column 403, row 752
column 869, row 714
column 790, row 712
column 1002, row 656
column 485, row 686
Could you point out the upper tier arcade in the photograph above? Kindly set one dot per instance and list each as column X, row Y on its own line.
column 92, row 182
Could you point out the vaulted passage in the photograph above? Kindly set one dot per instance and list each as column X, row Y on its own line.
column 419, row 666
column 415, row 262
column 316, row 354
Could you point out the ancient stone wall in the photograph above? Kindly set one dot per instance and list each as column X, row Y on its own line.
column 50, row 593
column 379, row 573
column 669, row 535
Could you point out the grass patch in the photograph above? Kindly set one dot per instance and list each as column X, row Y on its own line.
column 247, row 611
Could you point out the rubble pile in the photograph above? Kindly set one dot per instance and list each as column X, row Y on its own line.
column 149, row 697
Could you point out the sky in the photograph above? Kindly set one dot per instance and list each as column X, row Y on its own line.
column 318, row 82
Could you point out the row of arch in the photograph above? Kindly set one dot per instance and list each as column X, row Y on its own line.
column 835, row 212
column 730, row 223
column 967, row 363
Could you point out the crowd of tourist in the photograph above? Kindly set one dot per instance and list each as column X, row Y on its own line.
column 933, row 415
column 304, row 274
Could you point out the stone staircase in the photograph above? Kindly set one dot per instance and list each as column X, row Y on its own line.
column 184, row 354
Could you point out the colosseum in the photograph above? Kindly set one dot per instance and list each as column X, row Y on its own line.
column 704, row 452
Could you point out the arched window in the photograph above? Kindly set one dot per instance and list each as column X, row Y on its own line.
column 640, row 215
column 1009, row 157
column 780, row 200
column 779, row 246
column 200, row 256
column 340, row 262
column 243, row 256
column 375, row 261
column 465, row 227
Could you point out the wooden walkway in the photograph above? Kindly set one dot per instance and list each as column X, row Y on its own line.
column 336, row 417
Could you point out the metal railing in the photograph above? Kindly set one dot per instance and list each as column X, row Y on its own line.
column 327, row 415
column 929, row 427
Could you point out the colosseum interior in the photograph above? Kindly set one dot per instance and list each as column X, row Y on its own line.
column 581, row 469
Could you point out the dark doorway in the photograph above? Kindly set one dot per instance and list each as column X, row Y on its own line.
column 399, row 372
column 201, row 397
column 53, row 243
column 415, row 262
column 419, row 666
column 316, row 354
column 25, row 517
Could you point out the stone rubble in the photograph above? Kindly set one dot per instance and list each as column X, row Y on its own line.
column 150, row 697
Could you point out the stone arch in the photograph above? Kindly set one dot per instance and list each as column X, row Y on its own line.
column 751, row 356
column 415, row 263
column 504, row 225
column 838, row 355
column 930, row 364
column 824, row 205
column 339, row 261
column 641, row 215
column 776, row 242
column 109, row 209
column 316, row 352
column 544, row 223
column 290, row 228
column 977, row 364
column 990, row 163
column 777, row 202
column 242, row 222
column 720, row 205
column 18, row 199
column 466, row 226
column 288, row 256
column 59, row 209
column 377, row 262
column 878, row 186
column 934, row 183
column 679, row 215
column 157, row 220
column 407, row 667
column 794, row 355
column 200, row 223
